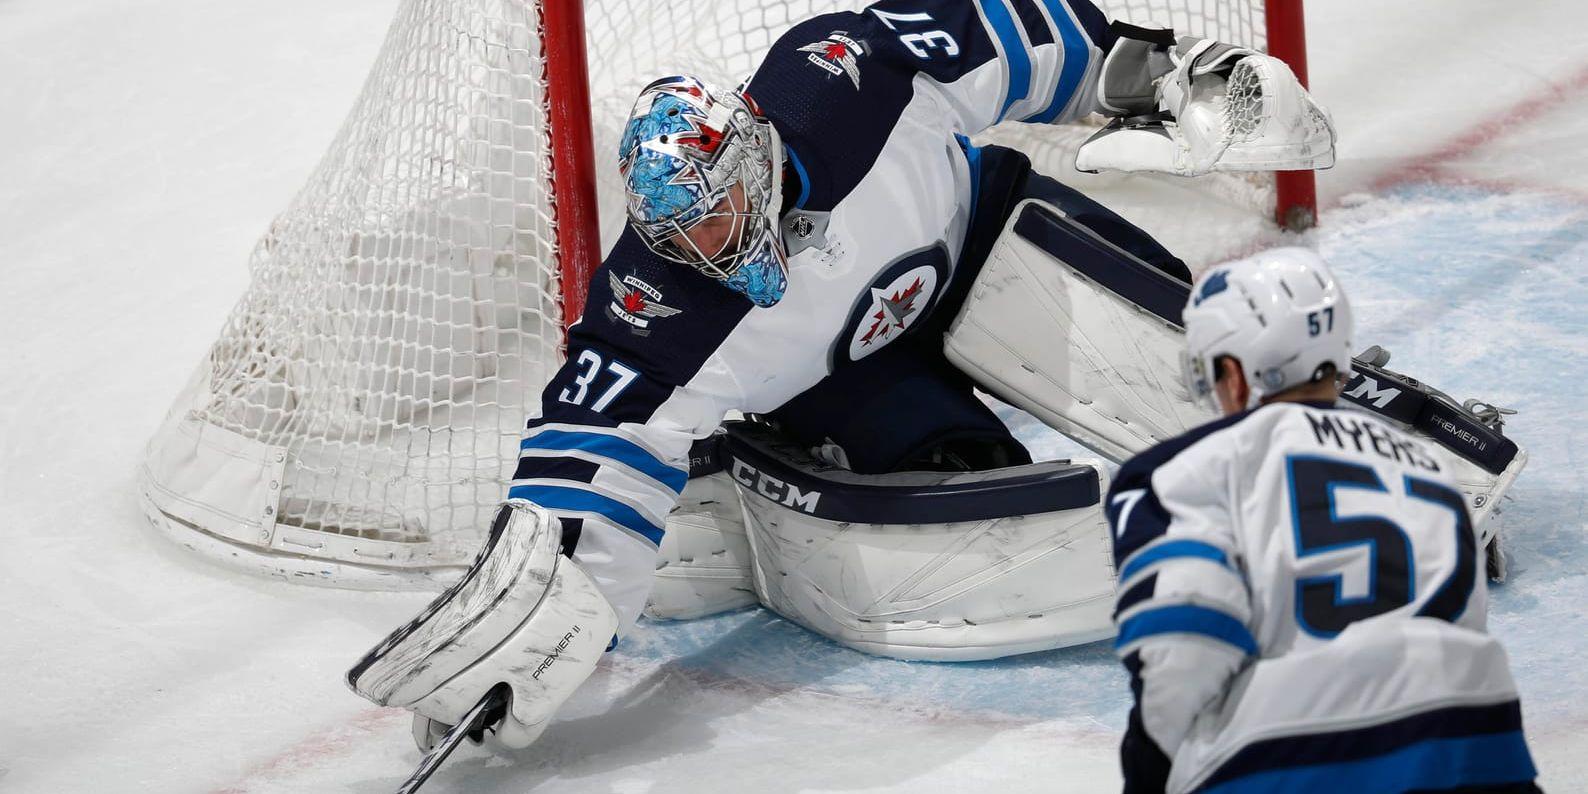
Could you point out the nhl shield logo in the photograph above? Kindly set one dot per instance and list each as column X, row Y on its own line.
column 636, row 303
column 896, row 301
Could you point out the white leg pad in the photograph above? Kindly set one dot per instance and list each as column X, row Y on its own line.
column 1091, row 364
column 704, row 564
column 882, row 564
column 523, row 614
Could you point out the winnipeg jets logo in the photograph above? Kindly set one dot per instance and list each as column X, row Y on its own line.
column 893, row 313
column 894, row 308
column 1216, row 283
column 636, row 303
column 837, row 54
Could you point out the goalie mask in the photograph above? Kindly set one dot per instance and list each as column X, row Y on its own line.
column 702, row 170
column 1281, row 314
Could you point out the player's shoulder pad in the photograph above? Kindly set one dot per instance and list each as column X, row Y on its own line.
column 644, row 315
column 1137, row 471
column 1133, row 486
column 836, row 85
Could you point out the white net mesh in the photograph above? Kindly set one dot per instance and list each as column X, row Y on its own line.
column 403, row 310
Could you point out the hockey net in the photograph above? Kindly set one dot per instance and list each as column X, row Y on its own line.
column 357, row 420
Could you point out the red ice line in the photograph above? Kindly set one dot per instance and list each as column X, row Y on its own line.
column 318, row 746
column 1430, row 166
column 329, row 743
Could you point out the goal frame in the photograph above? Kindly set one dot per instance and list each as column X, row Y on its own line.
column 1296, row 192
column 573, row 178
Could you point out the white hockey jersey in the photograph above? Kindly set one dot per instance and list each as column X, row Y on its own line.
column 1302, row 607
column 872, row 108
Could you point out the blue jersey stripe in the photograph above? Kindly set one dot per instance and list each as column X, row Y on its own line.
column 1186, row 619
column 805, row 179
column 1431, row 765
column 554, row 497
column 1194, row 549
column 1077, row 52
column 621, row 450
column 972, row 159
column 1003, row 23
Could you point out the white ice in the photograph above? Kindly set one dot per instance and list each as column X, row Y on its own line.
column 143, row 148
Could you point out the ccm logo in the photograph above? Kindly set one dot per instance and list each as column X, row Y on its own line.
column 1368, row 390
column 775, row 489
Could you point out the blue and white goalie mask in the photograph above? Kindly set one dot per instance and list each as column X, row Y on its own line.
column 702, row 170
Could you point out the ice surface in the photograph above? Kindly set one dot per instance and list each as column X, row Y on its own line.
column 145, row 146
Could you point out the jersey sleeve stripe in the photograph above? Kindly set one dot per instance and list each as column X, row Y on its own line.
column 1186, row 619
column 1077, row 55
column 1035, row 24
column 623, row 451
column 564, row 467
column 1170, row 550
column 1432, row 765
column 572, row 499
column 1015, row 57
column 1135, row 594
column 805, row 178
column 1356, row 744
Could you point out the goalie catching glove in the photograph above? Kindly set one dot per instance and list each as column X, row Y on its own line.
column 1197, row 105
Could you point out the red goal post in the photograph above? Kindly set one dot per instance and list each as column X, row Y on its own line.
column 1296, row 192
column 573, row 174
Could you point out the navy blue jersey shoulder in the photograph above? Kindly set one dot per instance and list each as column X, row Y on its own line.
column 658, row 319
column 1137, row 472
column 1148, row 518
column 835, row 85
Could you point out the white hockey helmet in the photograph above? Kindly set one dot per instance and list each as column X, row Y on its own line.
column 1281, row 314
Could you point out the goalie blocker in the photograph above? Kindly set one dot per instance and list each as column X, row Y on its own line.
column 524, row 616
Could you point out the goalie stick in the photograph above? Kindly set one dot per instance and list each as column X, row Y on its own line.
column 490, row 709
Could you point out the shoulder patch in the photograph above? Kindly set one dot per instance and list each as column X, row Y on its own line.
column 636, row 303
column 837, row 55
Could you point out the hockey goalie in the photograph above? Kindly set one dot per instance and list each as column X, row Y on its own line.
column 823, row 252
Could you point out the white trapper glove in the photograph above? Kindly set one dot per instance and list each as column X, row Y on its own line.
column 1197, row 105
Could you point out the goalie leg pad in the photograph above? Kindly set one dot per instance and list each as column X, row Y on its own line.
column 1079, row 332
column 1482, row 460
column 704, row 566
column 938, row 566
column 523, row 614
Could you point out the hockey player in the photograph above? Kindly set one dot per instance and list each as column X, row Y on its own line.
column 1301, row 603
column 825, row 247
